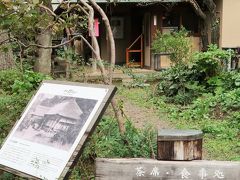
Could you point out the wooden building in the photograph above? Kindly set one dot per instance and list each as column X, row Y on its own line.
column 135, row 22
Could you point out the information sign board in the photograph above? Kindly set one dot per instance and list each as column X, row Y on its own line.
column 47, row 139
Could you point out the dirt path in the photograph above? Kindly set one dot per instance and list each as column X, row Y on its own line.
column 143, row 117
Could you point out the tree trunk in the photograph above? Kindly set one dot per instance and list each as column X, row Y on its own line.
column 211, row 6
column 206, row 17
column 6, row 54
column 215, row 37
column 43, row 61
column 208, row 22
column 204, row 34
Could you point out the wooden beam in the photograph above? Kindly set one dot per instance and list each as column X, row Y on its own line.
column 149, row 169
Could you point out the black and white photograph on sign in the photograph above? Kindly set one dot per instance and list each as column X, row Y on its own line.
column 55, row 120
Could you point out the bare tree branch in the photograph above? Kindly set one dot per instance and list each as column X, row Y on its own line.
column 116, row 109
column 89, row 45
column 63, row 21
column 110, row 37
column 211, row 6
column 4, row 41
column 4, row 32
column 77, row 5
column 48, row 47
column 73, row 6
column 91, row 29
column 197, row 8
column 94, row 39
column 50, row 26
column 51, row 12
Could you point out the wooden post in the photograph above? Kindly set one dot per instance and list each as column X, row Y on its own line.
column 179, row 144
column 127, row 58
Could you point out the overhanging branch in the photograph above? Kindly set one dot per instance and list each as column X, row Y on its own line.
column 49, row 47
column 197, row 8
column 211, row 6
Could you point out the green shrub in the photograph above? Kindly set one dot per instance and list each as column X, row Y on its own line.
column 182, row 84
column 11, row 107
column 211, row 62
column 200, row 109
column 230, row 100
column 211, row 106
column 16, row 89
column 8, row 77
column 220, row 129
column 234, row 119
column 106, row 142
column 224, row 82
column 15, row 81
column 179, row 84
column 175, row 43
column 30, row 81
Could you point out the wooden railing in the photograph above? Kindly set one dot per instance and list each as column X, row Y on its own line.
column 130, row 50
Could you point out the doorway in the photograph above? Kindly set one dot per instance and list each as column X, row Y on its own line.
column 134, row 51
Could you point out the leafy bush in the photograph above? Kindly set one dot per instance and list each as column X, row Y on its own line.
column 16, row 88
column 210, row 63
column 224, row 82
column 106, row 142
column 70, row 56
column 7, row 79
column 221, row 134
column 210, row 106
column 183, row 83
column 7, row 176
column 14, row 81
column 230, row 100
column 30, row 81
column 11, row 107
column 200, row 109
column 220, row 129
column 235, row 120
column 179, row 84
column 175, row 43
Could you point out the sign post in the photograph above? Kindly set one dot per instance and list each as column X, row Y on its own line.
column 49, row 136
